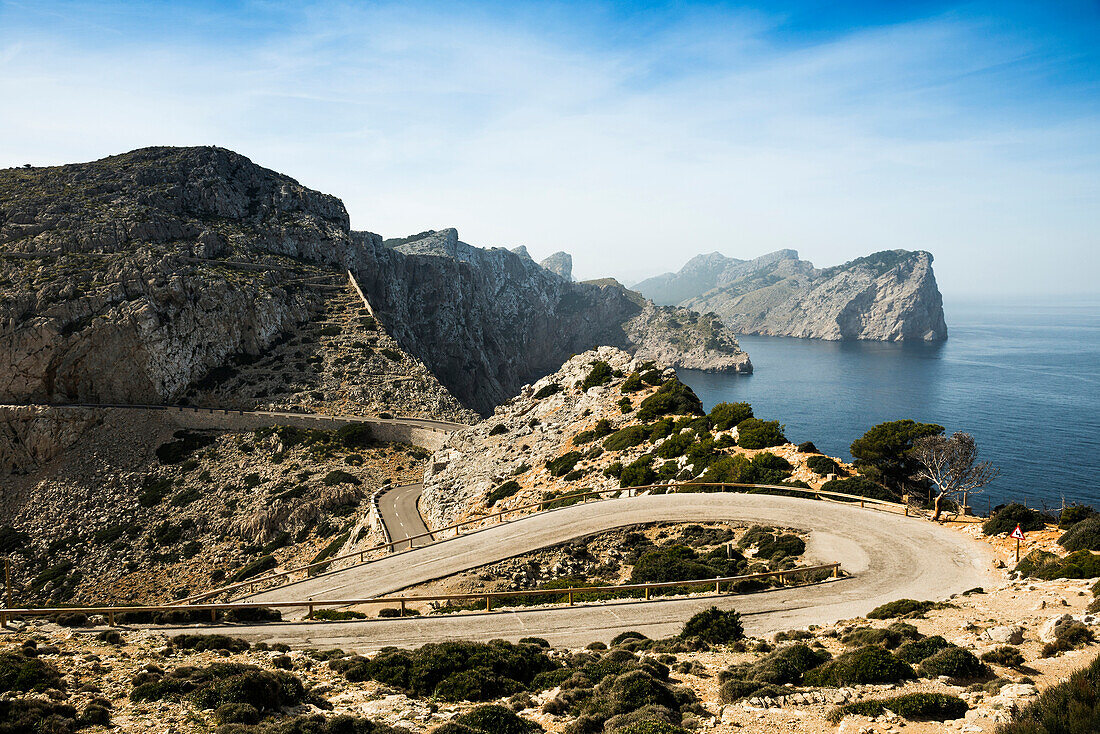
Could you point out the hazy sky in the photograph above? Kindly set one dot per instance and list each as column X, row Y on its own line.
column 632, row 135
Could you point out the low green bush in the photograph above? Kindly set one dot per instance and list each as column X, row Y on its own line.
column 671, row 398
column 626, row 438
column 1084, row 535
column 807, row 447
column 786, row 665
column 1040, row 564
column 37, row 716
column 639, row 472
column 337, row 615
column 19, row 672
column 1069, row 637
column 916, row 651
column 452, row 671
column 1070, row 707
column 902, row 608
column 237, row 713
column 912, row 706
column 1074, row 514
column 600, row 374
column 564, row 464
column 253, row 615
column 861, row 487
column 202, row 643
column 355, row 436
column 633, row 383
column 1008, row 517
column 339, row 476
column 495, row 719
column 714, row 626
column 724, row 416
column 502, row 492
column 754, row 433
column 870, row 664
column 822, row 465
column 254, row 568
column 1006, row 656
column 552, row 389
column 185, row 444
column 954, row 662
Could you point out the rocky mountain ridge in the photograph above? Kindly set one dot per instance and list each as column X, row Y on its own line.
column 131, row 278
column 887, row 296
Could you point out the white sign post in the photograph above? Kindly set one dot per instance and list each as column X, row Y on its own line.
column 1018, row 535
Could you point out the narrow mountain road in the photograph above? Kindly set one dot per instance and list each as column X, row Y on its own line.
column 398, row 507
column 889, row 557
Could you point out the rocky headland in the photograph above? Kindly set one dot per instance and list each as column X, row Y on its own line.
column 887, row 296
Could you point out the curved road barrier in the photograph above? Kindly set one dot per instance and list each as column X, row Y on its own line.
column 888, row 555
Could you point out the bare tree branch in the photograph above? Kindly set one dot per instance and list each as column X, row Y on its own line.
column 952, row 466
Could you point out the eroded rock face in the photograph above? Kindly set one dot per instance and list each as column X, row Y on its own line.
column 31, row 436
column 131, row 278
column 887, row 296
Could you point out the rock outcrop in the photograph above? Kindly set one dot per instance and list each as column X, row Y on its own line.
column 132, row 278
column 887, row 296
column 560, row 263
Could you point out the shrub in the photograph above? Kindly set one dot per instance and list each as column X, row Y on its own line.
column 638, row 473
column 12, row 540
column 552, row 389
column 495, row 719
column 185, row 444
column 754, row 433
column 860, row 487
column 563, row 464
column 253, row 615
column 621, row 694
column 870, row 664
column 714, row 626
column 504, row 491
column 1074, row 514
column 884, row 452
column 355, row 435
column 823, row 465
column 498, row 429
column 807, row 447
column 901, row 608
column 625, row 406
column 1071, row 706
column 1008, row 517
column 671, row 563
column 35, row 716
column 1080, row 564
column 186, row 497
column 628, row 635
column 671, row 398
column 237, row 713
column 265, row 690
column 727, row 415
column 785, row 665
column 258, row 566
column 600, row 374
column 452, row 671
column 153, row 490
column 626, row 438
column 913, row 706
column 338, row 615
column 633, row 383
column 21, row 673
column 1084, row 535
column 202, row 643
column 339, row 476
column 916, row 651
column 864, row 636
column 954, row 662
column 1069, row 637
column 72, row 619
column 1006, row 656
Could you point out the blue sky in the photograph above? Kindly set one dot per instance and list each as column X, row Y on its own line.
column 633, row 135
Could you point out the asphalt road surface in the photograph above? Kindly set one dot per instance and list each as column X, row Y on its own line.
column 401, row 515
column 889, row 556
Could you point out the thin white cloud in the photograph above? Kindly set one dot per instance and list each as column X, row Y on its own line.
column 632, row 156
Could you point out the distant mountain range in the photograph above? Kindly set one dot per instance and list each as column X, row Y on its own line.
column 887, row 296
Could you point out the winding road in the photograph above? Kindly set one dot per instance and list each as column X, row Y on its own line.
column 398, row 507
column 889, row 556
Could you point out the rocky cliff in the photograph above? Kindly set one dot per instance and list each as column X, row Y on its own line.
column 887, row 296
column 133, row 278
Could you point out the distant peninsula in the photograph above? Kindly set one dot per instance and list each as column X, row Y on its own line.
column 887, row 296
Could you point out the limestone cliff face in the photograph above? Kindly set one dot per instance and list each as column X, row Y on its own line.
column 132, row 278
column 487, row 321
column 887, row 296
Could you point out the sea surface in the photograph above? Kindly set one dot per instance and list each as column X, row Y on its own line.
column 1023, row 377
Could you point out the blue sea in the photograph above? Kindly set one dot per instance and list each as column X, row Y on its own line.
column 1023, row 377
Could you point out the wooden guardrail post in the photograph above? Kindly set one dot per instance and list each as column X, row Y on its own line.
column 402, row 612
column 213, row 615
column 570, row 597
column 836, row 571
column 717, row 587
column 310, row 615
column 647, row 593
column 7, row 582
column 488, row 603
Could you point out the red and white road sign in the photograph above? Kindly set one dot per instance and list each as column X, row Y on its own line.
column 1017, row 533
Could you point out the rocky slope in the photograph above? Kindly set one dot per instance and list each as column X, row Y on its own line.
column 132, row 278
column 887, row 296
column 574, row 417
column 96, row 506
